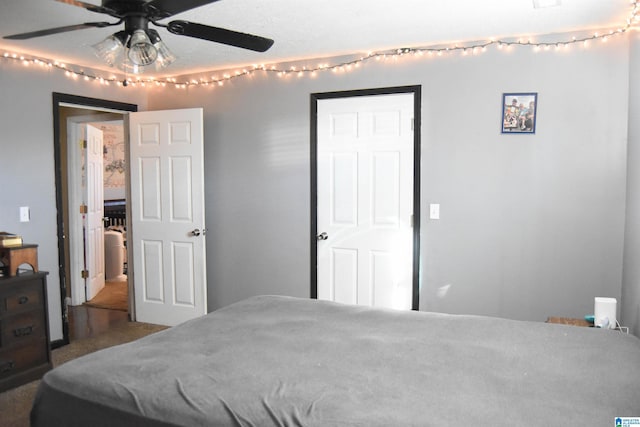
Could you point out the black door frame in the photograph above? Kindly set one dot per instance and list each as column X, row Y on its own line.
column 58, row 99
column 417, row 114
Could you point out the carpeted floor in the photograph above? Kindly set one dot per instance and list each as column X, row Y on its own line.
column 15, row 404
column 114, row 296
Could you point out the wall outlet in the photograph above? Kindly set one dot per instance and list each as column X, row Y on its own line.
column 25, row 215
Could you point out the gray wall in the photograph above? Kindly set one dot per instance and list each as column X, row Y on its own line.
column 631, row 276
column 532, row 225
column 27, row 159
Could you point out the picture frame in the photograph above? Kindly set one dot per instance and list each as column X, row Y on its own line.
column 519, row 112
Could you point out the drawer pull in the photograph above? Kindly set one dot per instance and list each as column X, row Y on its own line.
column 7, row 367
column 23, row 300
column 22, row 332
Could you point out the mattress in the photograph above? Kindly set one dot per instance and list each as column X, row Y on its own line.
column 280, row 361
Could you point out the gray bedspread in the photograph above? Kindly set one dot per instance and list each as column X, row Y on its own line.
column 279, row 361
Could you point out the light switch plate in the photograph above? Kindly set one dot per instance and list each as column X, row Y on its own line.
column 434, row 211
column 24, row 214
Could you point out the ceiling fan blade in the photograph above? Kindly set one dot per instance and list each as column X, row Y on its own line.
column 160, row 9
column 57, row 30
column 220, row 35
column 88, row 6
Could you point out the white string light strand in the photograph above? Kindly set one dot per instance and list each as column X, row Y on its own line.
column 300, row 71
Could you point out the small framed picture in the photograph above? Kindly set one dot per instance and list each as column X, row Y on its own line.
column 519, row 112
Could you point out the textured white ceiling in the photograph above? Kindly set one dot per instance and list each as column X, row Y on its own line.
column 310, row 29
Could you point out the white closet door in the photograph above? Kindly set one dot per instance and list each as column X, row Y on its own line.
column 365, row 200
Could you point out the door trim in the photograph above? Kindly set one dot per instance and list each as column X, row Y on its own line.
column 81, row 101
column 417, row 114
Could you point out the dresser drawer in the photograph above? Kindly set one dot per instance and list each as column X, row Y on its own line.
column 24, row 336
column 24, row 357
column 19, row 299
column 22, row 327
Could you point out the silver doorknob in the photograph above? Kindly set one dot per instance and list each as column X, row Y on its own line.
column 322, row 236
column 195, row 232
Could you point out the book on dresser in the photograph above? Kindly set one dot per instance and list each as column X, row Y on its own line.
column 8, row 240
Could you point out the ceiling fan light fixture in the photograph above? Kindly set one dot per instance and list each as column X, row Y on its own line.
column 137, row 53
column 165, row 56
column 141, row 51
column 130, row 68
column 111, row 49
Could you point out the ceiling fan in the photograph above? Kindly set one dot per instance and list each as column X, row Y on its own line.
column 137, row 47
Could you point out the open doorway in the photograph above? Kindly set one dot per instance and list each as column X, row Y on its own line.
column 95, row 218
column 73, row 115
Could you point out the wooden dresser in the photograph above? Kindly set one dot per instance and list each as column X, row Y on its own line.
column 25, row 353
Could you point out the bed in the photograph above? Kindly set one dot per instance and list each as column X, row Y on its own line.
column 281, row 361
column 115, row 213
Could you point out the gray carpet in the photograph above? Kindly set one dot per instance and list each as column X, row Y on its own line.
column 15, row 404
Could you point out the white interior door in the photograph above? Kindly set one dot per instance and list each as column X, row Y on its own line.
column 365, row 200
column 94, row 226
column 167, row 215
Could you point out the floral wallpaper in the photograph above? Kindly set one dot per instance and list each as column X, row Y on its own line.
column 114, row 159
